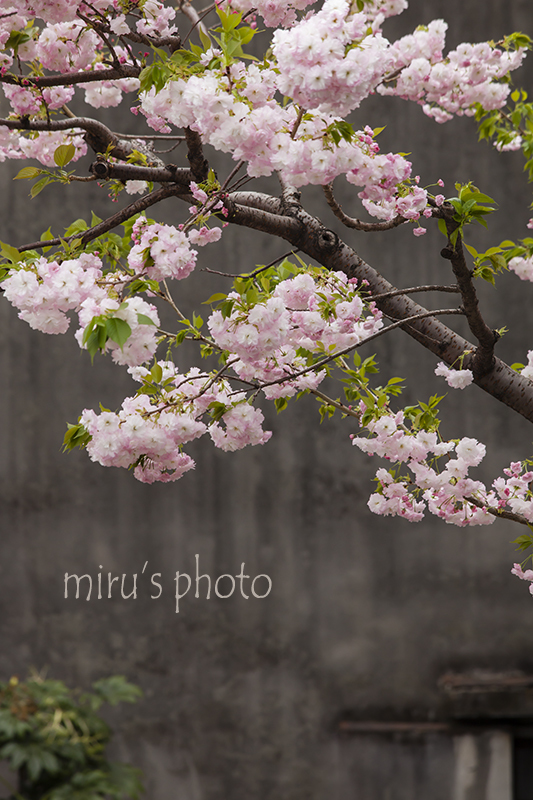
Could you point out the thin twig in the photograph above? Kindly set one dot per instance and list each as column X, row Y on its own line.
column 336, row 403
column 500, row 513
column 349, row 349
column 352, row 222
column 148, row 137
column 232, row 175
column 297, row 121
column 108, row 224
column 252, row 274
column 431, row 288
column 187, row 9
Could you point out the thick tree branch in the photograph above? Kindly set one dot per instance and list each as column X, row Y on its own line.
column 259, row 200
column 71, row 78
column 132, row 172
column 310, row 236
column 98, row 136
column 483, row 359
column 276, row 224
column 197, row 160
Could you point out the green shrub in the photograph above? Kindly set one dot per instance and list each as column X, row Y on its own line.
column 54, row 739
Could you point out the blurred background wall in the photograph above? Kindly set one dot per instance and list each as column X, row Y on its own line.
column 328, row 687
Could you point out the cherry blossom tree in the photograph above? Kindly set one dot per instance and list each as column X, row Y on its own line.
column 286, row 326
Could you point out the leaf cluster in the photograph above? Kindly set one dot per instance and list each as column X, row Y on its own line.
column 63, row 155
column 496, row 259
column 56, row 741
column 503, row 126
column 230, row 37
column 470, row 206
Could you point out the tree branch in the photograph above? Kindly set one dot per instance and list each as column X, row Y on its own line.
column 259, row 200
column 358, row 224
column 284, row 226
column 483, row 359
column 103, row 170
column 98, row 136
column 500, row 513
column 414, row 289
column 328, row 359
column 111, row 222
column 71, row 78
column 195, row 154
column 310, row 236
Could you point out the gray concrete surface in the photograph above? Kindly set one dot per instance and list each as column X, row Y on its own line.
column 243, row 697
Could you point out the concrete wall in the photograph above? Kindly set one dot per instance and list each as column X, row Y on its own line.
column 243, row 698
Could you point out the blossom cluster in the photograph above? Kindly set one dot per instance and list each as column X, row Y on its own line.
column 321, row 314
column 259, row 132
column 274, row 12
column 469, row 74
column 315, row 69
column 523, row 267
column 524, row 575
column 448, row 492
column 45, row 292
column 445, row 494
column 326, row 63
column 456, row 378
column 161, row 251
column 149, row 431
column 141, row 317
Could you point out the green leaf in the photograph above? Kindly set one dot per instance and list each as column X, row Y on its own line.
column 78, row 226
column 227, row 307
column 117, row 690
column 524, row 541
column 442, row 227
column 498, row 261
column 143, row 319
column 217, row 410
column 10, row 252
column 157, row 373
column 204, row 38
column 76, row 436
column 143, row 285
column 39, row 186
column 64, row 154
column 215, row 298
column 27, row 172
column 16, row 38
column 118, row 330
